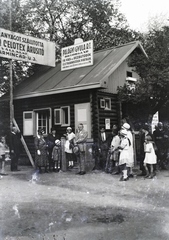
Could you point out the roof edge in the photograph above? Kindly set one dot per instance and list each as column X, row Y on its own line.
column 61, row 90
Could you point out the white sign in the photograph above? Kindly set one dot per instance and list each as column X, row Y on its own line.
column 155, row 121
column 25, row 48
column 78, row 55
column 107, row 123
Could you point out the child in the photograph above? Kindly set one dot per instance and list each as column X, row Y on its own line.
column 56, row 156
column 150, row 156
column 3, row 150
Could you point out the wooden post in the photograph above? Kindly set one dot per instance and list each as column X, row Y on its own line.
column 24, row 144
column 63, row 155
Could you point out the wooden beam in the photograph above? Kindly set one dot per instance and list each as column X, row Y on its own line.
column 24, row 144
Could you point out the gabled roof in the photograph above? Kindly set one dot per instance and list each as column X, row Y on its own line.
column 53, row 80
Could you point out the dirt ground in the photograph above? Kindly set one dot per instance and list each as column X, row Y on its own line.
column 95, row 206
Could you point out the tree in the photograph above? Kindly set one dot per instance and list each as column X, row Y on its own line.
column 153, row 86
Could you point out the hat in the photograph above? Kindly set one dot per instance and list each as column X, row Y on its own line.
column 76, row 149
column 57, row 142
column 69, row 128
column 126, row 126
column 123, row 132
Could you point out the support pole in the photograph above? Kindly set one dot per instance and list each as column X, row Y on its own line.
column 24, row 144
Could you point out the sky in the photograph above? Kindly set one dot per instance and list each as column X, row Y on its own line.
column 139, row 12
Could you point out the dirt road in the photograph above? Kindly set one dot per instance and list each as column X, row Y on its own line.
column 95, row 206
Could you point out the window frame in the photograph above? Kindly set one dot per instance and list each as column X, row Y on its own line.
column 48, row 120
column 61, row 116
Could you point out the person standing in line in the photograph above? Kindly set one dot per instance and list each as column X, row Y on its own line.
column 150, row 157
column 51, row 138
column 41, row 154
column 56, row 156
column 113, row 152
column 124, row 154
column 161, row 139
column 70, row 136
column 143, row 133
column 131, row 149
column 3, row 149
column 15, row 147
column 103, row 147
column 80, row 141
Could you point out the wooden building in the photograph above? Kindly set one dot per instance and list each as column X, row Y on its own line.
column 85, row 95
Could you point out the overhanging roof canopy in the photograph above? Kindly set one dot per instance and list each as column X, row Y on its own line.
column 53, row 80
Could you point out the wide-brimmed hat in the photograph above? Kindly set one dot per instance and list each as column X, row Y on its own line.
column 76, row 149
column 126, row 126
column 123, row 132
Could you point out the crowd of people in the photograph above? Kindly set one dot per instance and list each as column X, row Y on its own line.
column 116, row 153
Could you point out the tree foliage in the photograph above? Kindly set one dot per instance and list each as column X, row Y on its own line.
column 153, row 86
column 62, row 21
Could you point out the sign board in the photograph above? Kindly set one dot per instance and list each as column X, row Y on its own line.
column 78, row 55
column 26, row 48
column 107, row 123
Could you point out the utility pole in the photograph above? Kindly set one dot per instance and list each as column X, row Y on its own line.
column 10, row 73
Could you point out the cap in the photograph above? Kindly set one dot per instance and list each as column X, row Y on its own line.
column 69, row 128
column 126, row 126
column 57, row 141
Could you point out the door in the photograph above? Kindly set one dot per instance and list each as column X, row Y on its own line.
column 83, row 115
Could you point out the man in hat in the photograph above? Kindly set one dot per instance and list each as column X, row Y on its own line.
column 15, row 148
column 80, row 141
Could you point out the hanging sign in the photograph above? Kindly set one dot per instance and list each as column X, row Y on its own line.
column 76, row 56
column 26, row 48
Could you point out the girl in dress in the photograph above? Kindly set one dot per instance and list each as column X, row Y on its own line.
column 150, row 156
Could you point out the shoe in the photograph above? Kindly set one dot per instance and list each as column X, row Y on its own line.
column 141, row 174
column 46, row 171
column 82, row 173
column 115, row 173
column 78, row 173
column 130, row 175
column 121, row 179
column 16, row 170
column 146, row 176
column 150, row 177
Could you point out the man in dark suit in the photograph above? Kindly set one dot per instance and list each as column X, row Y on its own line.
column 103, row 145
column 15, row 148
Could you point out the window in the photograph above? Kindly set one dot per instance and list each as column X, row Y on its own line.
column 57, row 117
column 28, row 123
column 108, row 103
column 62, row 116
column 102, row 103
column 105, row 103
column 129, row 74
column 43, row 120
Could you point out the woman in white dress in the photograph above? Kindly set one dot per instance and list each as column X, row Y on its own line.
column 124, row 154
column 70, row 136
column 150, row 156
